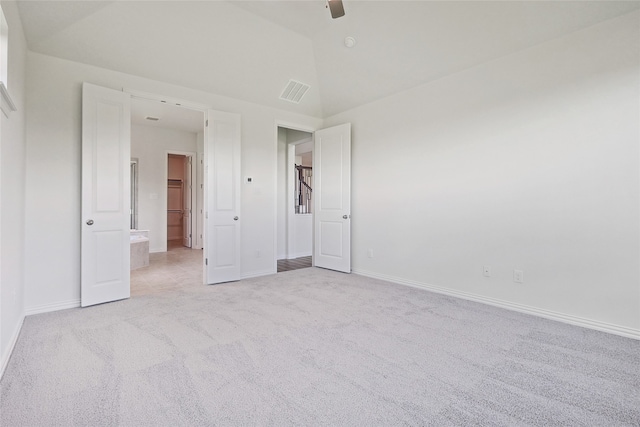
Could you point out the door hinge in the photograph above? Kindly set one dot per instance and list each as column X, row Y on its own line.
column 207, row 124
column 206, row 261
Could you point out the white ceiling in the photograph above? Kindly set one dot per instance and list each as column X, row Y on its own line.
column 250, row 49
column 170, row 116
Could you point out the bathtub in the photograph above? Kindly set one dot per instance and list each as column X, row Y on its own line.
column 139, row 248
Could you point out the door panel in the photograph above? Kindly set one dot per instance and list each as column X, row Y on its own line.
column 222, row 198
column 332, row 191
column 331, row 238
column 226, row 255
column 105, row 242
column 109, row 265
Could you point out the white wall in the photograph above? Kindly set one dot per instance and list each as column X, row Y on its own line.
column 150, row 145
column 12, row 188
column 303, row 235
column 53, row 174
column 528, row 162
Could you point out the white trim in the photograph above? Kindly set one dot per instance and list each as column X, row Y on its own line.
column 56, row 306
column 6, row 103
column 12, row 344
column 301, row 255
column 521, row 308
column 258, row 274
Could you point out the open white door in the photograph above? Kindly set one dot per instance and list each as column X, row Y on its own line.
column 186, row 203
column 106, row 141
column 332, row 198
column 222, row 198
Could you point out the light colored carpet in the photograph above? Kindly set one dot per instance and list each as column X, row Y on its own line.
column 314, row 347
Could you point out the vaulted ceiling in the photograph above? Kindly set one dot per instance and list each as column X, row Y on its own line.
column 251, row 49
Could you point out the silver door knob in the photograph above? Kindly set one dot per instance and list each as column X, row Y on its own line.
column 344, row 217
column 235, row 218
column 90, row 222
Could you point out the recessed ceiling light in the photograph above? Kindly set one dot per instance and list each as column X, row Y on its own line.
column 349, row 42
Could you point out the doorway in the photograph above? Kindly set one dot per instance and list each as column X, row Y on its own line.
column 107, row 132
column 295, row 199
column 167, row 143
column 179, row 200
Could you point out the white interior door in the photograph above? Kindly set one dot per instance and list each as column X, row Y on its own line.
column 332, row 193
column 222, row 198
column 106, row 142
column 186, row 208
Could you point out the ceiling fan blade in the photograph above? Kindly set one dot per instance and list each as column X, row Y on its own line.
column 336, row 8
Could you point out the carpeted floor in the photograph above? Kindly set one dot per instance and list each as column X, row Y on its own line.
column 314, row 347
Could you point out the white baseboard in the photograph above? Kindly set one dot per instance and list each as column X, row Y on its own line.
column 300, row 255
column 46, row 308
column 258, row 274
column 547, row 314
column 12, row 344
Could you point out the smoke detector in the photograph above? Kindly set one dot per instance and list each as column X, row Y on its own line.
column 349, row 42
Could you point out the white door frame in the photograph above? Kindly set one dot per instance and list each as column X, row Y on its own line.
column 193, row 156
column 290, row 188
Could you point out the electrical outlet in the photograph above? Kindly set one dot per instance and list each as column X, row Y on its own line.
column 518, row 276
column 486, row 271
column 370, row 253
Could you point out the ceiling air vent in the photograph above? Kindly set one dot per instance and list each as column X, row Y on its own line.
column 294, row 91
